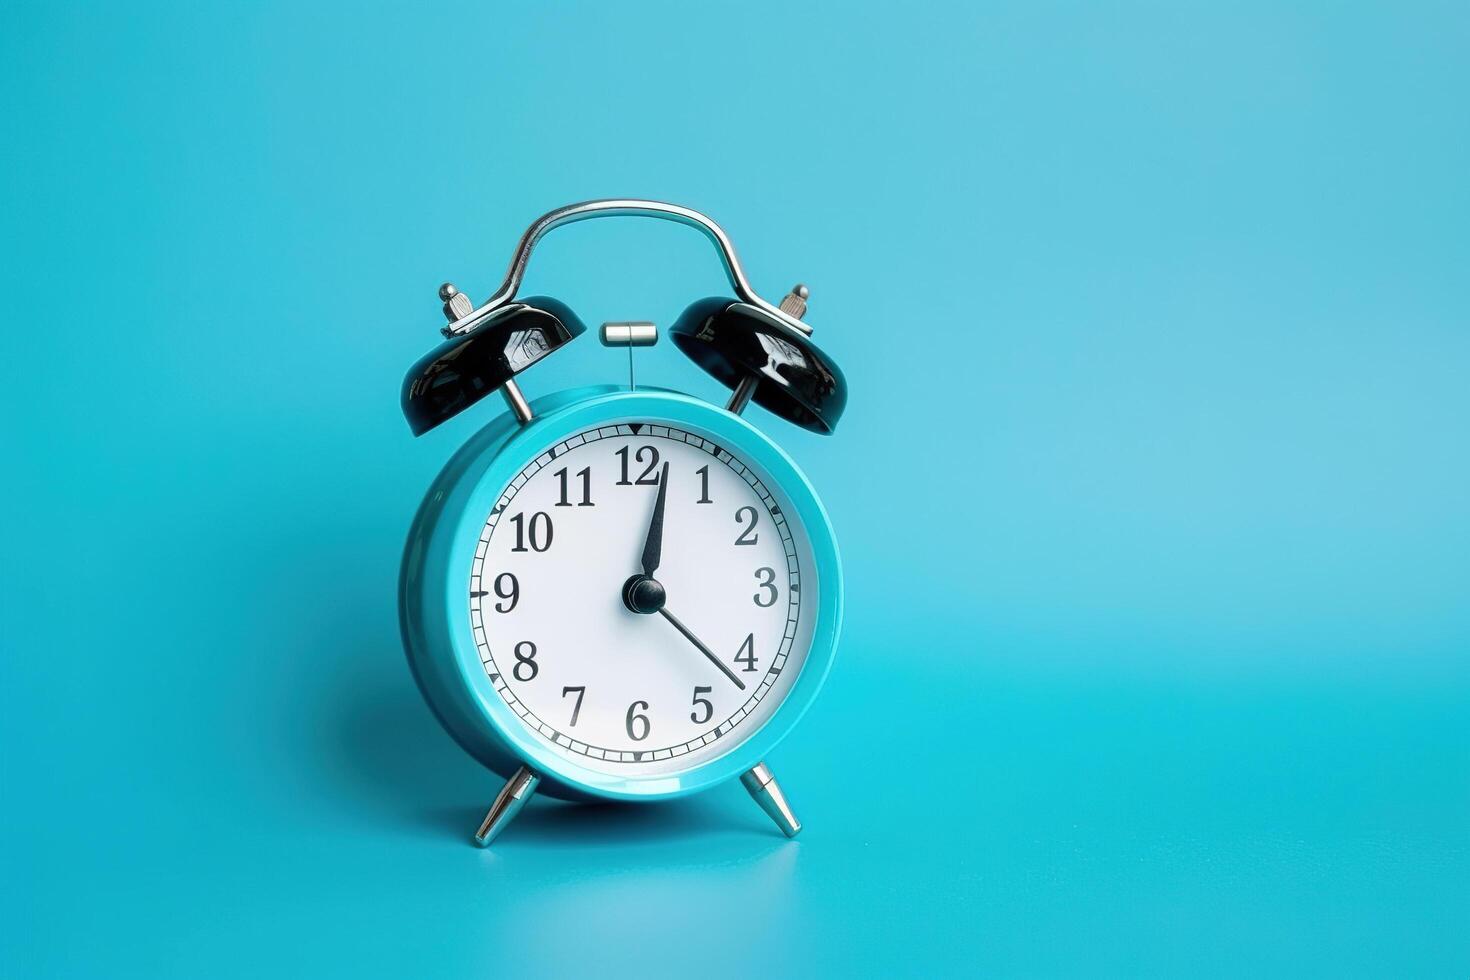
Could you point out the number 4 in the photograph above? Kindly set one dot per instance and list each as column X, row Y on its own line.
column 746, row 655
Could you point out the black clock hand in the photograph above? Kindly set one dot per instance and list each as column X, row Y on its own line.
column 653, row 544
column 702, row 648
column 643, row 594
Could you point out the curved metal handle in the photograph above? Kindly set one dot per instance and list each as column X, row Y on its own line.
column 623, row 208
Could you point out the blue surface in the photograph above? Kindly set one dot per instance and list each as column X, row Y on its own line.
column 1153, row 493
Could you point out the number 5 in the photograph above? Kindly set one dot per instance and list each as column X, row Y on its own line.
column 709, row 709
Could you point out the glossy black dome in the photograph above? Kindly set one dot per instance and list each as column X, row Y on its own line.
column 732, row 340
column 464, row 369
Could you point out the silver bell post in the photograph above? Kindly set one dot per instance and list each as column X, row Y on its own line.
column 457, row 306
column 792, row 304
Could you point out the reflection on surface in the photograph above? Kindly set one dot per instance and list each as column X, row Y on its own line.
column 691, row 915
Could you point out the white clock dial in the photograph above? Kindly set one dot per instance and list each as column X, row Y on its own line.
column 629, row 692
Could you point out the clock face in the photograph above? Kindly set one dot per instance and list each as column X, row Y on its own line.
column 665, row 675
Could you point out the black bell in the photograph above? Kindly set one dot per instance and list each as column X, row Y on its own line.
column 467, row 367
column 733, row 340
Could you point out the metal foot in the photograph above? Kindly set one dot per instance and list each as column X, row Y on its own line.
column 767, row 792
column 515, row 794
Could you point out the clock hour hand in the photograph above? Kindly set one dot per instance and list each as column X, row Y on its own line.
column 702, row 648
column 643, row 594
column 653, row 544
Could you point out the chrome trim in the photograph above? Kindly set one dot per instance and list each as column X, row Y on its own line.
column 633, row 333
column 619, row 207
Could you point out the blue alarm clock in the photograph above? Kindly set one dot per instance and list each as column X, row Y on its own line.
column 615, row 592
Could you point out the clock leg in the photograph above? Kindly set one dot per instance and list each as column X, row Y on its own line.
column 515, row 794
column 766, row 791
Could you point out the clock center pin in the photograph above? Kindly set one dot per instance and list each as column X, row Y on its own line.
column 644, row 595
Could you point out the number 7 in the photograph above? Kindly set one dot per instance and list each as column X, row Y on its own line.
column 576, row 708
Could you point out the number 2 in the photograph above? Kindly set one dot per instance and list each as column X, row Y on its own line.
column 747, row 534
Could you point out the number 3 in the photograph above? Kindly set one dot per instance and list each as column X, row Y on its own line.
column 767, row 577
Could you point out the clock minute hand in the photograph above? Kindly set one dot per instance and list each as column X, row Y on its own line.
column 653, row 544
column 702, row 648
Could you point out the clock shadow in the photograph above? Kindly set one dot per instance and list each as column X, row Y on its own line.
column 393, row 762
column 602, row 823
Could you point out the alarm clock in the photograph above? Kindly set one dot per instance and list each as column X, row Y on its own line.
column 621, row 592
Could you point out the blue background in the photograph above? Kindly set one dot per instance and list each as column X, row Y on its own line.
column 1153, row 493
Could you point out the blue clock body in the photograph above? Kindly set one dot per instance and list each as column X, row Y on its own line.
column 434, row 588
